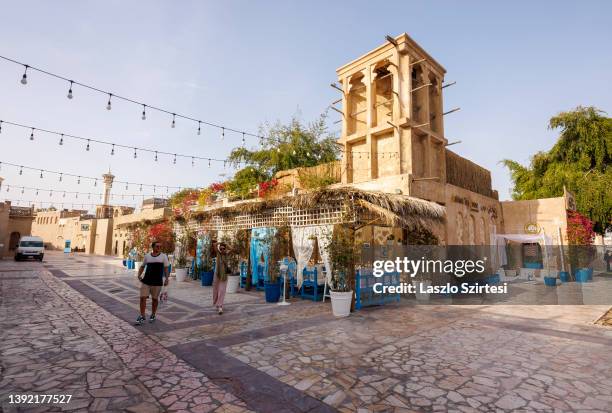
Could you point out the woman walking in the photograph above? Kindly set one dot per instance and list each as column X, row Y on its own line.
column 220, row 280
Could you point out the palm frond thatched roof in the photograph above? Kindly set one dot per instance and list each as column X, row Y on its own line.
column 390, row 209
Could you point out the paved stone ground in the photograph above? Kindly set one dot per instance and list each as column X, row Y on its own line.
column 66, row 327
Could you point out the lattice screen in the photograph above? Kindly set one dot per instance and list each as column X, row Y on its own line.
column 327, row 215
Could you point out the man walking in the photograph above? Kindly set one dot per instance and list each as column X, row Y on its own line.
column 155, row 268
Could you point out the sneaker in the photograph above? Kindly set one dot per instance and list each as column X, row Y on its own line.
column 152, row 318
column 220, row 310
column 140, row 320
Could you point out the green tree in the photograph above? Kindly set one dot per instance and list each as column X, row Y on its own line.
column 580, row 161
column 286, row 146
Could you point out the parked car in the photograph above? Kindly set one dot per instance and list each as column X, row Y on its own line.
column 30, row 247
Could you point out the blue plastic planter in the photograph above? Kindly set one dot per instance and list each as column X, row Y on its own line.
column 564, row 276
column 272, row 291
column 493, row 279
column 550, row 281
column 206, row 277
column 582, row 275
column 130, row 264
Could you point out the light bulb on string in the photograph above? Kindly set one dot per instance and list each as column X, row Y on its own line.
column 126, row 186
column 155, row 156
column 22, row 189
column 199, row 127
column 173, row 120
column 192, row 162
column 61, row 142
column 209, row 162
column 79, row 180
column 69, row 96
column 113, row 149
column 36, row 192
column 24, row 78
column 96, row 182
column 60, row 177
column 76, row 195
column 243, row 141
column 0, row 126
column 87, row 148
column 222, row 133
column 154, row 188
column 41, row 174
column 32, row 135
column 135, row 155
column 174, row 161
column 108, row 105
column 144, row 112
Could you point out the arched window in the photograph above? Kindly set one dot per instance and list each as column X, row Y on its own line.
column 459, row 228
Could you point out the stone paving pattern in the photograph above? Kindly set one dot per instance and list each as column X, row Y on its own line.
column 261, row 357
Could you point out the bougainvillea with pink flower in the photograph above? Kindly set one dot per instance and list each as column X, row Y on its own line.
column 265, row 187
column 579, row 229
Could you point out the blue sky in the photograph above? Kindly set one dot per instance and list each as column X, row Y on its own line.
column 243, row 63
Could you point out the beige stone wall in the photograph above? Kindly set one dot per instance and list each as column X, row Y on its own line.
column 548, row 214
column 4, row 229
column 121, row 230
column 471, row 217
column 12, row 223
column 103, row 237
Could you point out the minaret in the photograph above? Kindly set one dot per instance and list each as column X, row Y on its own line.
column 108, row 184
column 105, row 210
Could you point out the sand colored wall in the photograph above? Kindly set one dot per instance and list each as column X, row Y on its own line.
column 121, row 227
column 4, row 229
column 13, row 220
column 549, row 214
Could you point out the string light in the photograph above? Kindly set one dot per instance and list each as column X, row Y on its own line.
column 174, row 162
column 209, row 163
column 144, row 112
column 32, row 135
column 192, row 162
column 87, row 148
column 41, row 174
column 96, row 182
column 135, row 155
column 0, row 126
column 243, row 141
column 60, row 178
column 222, row 133
column 155, row 156
column 21, row 171
column 173, row 120
column 24, row 78
column 90, row 140
column 69, row 96
column 79, row 180
column 111, row 95
column 199, row 127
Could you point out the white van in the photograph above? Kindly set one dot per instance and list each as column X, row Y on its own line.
column 30, row 247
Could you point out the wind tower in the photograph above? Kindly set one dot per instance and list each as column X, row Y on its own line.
column 392, row 120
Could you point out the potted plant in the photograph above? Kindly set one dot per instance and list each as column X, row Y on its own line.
column 181, row 259
column 279, row 245
column 232, row 261
column 181, row 268
column 206, row 269
column 341, row 251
